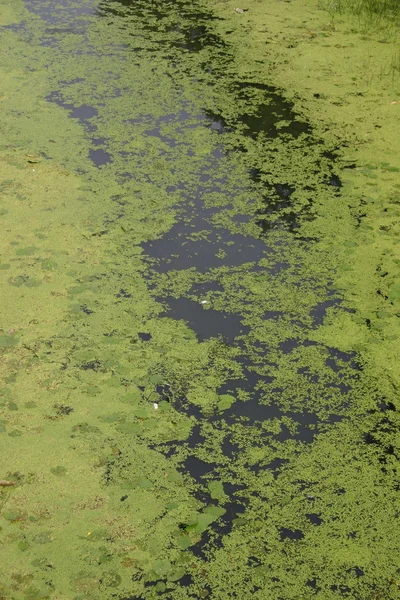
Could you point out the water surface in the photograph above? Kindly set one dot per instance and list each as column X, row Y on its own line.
column 182, row 429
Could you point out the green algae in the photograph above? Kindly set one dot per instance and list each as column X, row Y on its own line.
column 94, row 484
column 11, row 14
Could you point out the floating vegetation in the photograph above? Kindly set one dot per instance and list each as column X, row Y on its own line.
column 200, row 299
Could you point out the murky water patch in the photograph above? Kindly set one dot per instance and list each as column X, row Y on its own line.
column 270, row 115
column 206, row 325
column 83, row 112
column 62, row 13
column 213, row 247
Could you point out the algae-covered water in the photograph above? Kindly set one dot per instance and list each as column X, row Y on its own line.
column 188, row 404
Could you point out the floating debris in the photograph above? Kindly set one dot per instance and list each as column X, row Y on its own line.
column 33, row 158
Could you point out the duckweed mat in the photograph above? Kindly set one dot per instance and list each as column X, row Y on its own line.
column 199, row 381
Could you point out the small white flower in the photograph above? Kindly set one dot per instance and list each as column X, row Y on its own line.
column 203, row 302
column 155, row 406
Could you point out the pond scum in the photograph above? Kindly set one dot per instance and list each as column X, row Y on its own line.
column 200, row 300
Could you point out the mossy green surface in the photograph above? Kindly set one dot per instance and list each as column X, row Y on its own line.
column 200, row 381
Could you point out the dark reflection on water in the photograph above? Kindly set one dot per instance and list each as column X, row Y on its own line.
column 99, row 157
column 267, row 118
column 206, row 322
column 216, row 247
column 181, row 17
column 62, row 15
column 83, row 113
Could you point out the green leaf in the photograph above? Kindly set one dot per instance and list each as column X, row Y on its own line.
column 142, row 412
column 175, row 477
column 132, row 397
column 48, row 265
column 32, row 282
column 8, row 341
column 203, row 521
column 225, row 401
column 216, row 511
column 85, row 428
column 113, row 382
column 160, row 349
column 239, row 521
column 134, row 428
column 176, row 574
column 15, row 433
column 394, row 292
column 17, row 281
column 85, row 356
column 262, row 570
column 142, row 381
column 23, row 546
column 112, row 418
column 156, row 379
column 105, row 558
column 59, row 471
column 162, row 567
column 154, row 546
column 382, row 314
column 43, row 538
column 217, row 490
column 190, row 334
column 92, row 390
column 145, row 483
column 78, row 289
column 124, row 371
column 26, row 251
column 13, row 515
column 184, row 542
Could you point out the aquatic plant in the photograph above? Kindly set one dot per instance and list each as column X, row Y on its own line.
column 379, row 12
